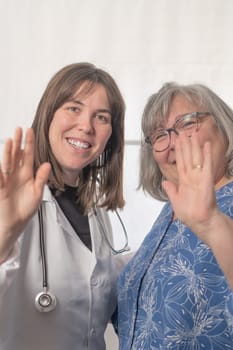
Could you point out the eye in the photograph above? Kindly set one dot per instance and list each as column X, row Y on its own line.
column 187, row 123
column 103, row 118
column 159, row 137
column 74, row 109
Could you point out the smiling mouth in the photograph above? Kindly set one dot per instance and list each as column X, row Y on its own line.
column 78, row 144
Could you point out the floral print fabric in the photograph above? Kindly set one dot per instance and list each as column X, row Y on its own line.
column 172, row 294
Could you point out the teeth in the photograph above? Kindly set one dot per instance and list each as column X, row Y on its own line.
column 78, row 144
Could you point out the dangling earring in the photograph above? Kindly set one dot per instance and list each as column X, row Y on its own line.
column 103, row 158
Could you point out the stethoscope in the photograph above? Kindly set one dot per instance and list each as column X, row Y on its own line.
column 46, row 301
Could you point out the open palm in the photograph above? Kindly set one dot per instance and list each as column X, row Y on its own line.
column 20, row 190
column 193, row 198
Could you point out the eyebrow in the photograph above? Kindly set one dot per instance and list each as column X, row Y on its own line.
column 101, row 110
column 178, row 117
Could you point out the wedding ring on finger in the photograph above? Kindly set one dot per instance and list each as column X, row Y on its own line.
column 6, row 172
column 198, row 166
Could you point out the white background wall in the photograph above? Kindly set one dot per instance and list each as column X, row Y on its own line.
column 142, row 43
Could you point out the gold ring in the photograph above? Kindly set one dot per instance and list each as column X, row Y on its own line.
column 198, row 166
column 6, row 172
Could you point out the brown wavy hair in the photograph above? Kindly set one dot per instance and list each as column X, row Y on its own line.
column 102, row 181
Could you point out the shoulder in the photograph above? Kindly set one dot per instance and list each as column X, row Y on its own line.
column 224, row 198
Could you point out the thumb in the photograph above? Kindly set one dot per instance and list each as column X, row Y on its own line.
column 170, row 189
column 42, row 176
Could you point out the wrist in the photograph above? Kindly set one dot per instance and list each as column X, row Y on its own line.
column 6, row 256
column 7, row 243
column 210, row 230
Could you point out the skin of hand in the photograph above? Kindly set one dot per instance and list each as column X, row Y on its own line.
column 20, row 190
column 193, row 197
column 194, row 202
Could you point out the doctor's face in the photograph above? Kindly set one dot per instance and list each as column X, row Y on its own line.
column 80, row 130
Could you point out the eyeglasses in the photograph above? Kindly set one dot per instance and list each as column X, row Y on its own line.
column 186, row 123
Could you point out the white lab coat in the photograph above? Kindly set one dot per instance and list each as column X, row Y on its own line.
column 84, row 283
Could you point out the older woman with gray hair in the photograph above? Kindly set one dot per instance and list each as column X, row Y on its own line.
column 176, row 292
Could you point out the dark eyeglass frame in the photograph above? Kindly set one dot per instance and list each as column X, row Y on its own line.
column 197, row 115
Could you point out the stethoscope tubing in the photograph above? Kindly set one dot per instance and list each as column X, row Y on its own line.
column 42, row 248
column 102, row 229
column 46, row 301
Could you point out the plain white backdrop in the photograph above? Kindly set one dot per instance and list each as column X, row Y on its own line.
column 142, row 43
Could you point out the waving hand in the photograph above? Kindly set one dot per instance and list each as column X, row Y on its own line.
column 20, row 190
column 193, row 198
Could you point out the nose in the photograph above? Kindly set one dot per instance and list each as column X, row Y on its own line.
column 173, row 135
column 85, row 122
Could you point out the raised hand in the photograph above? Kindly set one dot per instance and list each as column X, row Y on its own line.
column 193, row 197
column 20, row 190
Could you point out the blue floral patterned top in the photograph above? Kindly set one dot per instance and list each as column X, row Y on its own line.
column 173, row 294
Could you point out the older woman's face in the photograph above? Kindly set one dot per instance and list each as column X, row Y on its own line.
column 208, row 131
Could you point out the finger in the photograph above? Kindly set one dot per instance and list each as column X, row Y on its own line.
column 28, row 153
column 208, row 161
column 180, row 161
column 197, row 152
column 187, row 151
column 42, row 176
column 6, row 158
column 1, row 178
column 170, row 189
column 16, row 148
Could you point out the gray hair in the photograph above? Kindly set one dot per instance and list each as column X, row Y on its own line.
column 156, row 112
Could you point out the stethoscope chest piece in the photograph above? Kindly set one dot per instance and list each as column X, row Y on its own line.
column 45, row 301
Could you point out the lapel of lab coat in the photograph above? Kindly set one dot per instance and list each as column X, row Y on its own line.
column 98, row 242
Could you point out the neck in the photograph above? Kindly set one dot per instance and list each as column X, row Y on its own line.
column 223, row 181
column 70, row 179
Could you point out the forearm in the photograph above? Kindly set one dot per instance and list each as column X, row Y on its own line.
column 8, row 270
column 218, row 235
column 7, row 244
column 9, row 235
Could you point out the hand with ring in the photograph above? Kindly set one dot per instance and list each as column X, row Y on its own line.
column 193, row 197
column 198, row 166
